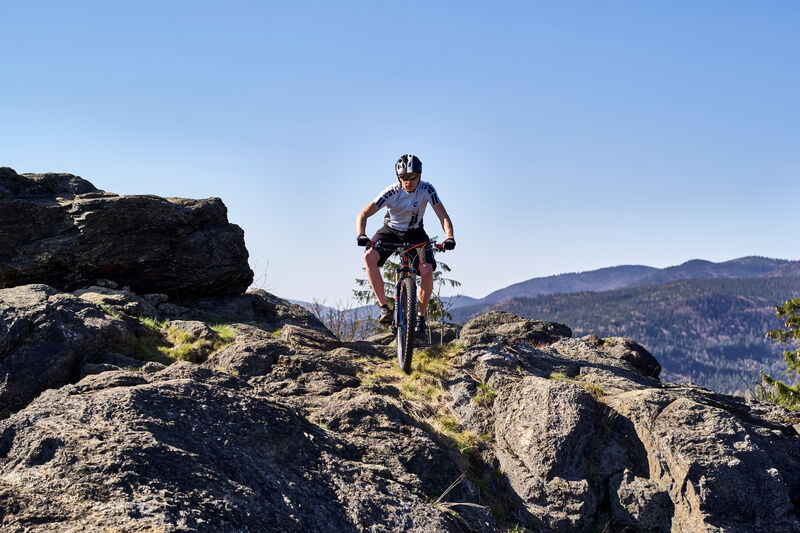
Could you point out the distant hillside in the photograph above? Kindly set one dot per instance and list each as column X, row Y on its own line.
column 702, row 330
column 744, row 267
column 619, row 277
column 604, row 279
column 790, row 269
column 461, row 300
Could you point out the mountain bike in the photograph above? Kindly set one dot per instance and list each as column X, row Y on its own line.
column 405, row 297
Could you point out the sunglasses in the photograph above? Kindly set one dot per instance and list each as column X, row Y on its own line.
column 408, row 177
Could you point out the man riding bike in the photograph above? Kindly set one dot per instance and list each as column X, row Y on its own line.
column 405, row 202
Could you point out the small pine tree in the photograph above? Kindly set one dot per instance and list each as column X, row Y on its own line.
column 439, row 309
column 770, row 389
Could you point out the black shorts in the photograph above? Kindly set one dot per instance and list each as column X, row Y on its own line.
column 388, row 235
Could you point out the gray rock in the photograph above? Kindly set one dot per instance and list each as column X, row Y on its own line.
column 121, row 361
column 639, row 504
column 597, row 365
column 307, row 379
column 629, row 351
column 310, row 338
column 287, row 428
column 386, row 435
column 122, row 301
column 152, row 367
column 195, row 329
column 443, row 334
column 664, row 457
column 720, row 469
column 88, row 369
column 159, row 245
column 171, row 311
column 384, row 339
column 546, row 435
column 45, row 337
column 189, row 449
column 252, row 354
column 256, row 307
column 502, row 326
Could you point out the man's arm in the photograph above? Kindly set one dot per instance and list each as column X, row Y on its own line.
column 444, row 218
column 361, row 219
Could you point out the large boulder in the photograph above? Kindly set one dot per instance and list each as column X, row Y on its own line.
column 191, row 449
column 549, row 460
column 45, row 336
column 720, row 469
column 630, row 351
column 82, row 235
column 502, row 326
column 589, row 438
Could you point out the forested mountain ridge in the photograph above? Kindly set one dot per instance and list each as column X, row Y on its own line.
column 743, row 267
column 622, row 276
column 602, row 279
column 789, row 269
column 705, row 331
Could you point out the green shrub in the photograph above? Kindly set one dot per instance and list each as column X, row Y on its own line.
column 110, row 311
column 485, row 395
column 774, row 391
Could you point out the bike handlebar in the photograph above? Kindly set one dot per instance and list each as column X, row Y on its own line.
column 439, row 247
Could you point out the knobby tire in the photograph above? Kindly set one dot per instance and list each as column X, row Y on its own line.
column 407, row 321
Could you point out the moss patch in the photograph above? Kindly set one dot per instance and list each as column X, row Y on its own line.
column 485, row 396
column 158, row 341
column 595, row 389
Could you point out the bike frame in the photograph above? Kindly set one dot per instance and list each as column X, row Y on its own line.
column 405, row 270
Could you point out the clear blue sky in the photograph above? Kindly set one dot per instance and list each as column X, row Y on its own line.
column 561, row 136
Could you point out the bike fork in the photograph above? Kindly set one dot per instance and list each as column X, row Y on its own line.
column 397, row 307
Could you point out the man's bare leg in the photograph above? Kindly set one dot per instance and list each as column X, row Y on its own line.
column 371, row 258
column 426, row 287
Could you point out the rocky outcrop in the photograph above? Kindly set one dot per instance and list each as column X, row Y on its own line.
column 189, row 449
column 588, row 438
column 630, row 351
column 45, row 336
column 175, row 246
column 49, row 339
column 274, row 432
column 498, row 326
column 285, row 427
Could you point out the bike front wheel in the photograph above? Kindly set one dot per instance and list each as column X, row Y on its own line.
column 406, row 306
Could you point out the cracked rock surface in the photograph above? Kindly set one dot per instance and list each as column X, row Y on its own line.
column 83, row 235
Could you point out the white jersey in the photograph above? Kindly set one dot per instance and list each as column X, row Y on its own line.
column 406, row 209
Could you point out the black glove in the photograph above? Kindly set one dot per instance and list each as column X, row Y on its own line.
column 449, row 244
column 363, row 240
